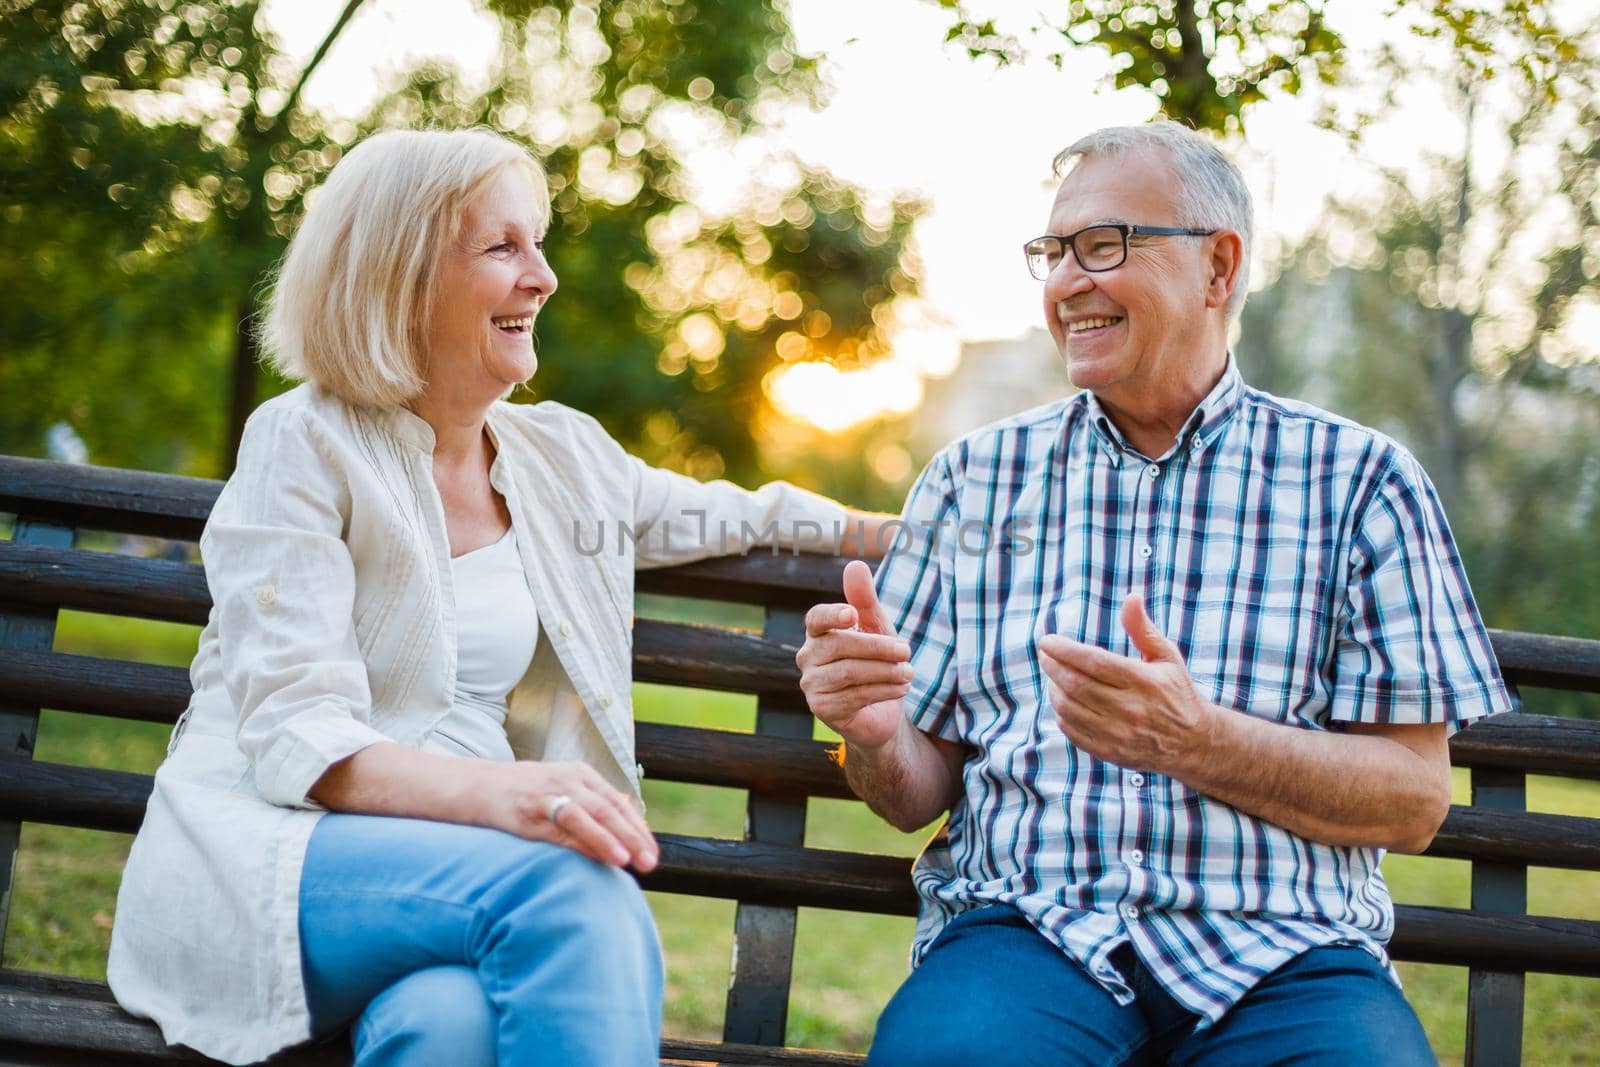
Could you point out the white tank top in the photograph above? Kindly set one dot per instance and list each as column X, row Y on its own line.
column 497, row 629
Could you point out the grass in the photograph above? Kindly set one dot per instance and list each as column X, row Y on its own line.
column 847, row 965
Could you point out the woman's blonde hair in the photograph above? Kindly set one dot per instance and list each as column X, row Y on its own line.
column 352, row 297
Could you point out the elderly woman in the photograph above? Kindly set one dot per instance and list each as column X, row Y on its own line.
column 404, row 792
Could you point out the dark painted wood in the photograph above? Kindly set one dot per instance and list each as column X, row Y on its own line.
column 104, row 582
column 777, row 766
column 1518, row 837
column 784, row 875
column 1540, row 744
column 672, row 653
column 1537, row 744
column 1495, row 997
column 165, row 505
column 762, row 968
column 708, row 657
column 788, row 876
column 783, row 580
column 105, row 498
column 31, row 628
column 86, row 1023
column 705, row 657
column 1464, row 938
column 144, row 692
column 162, row 589
column 781, row 875
column 176, row 592
column 1547, row 661
column 783, row 767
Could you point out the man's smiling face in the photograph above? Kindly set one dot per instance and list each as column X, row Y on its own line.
column 1135, row 327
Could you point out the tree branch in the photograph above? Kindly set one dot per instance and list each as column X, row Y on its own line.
column 350, row 8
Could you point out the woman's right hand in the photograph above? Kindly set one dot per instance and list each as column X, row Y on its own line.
column 597, row 819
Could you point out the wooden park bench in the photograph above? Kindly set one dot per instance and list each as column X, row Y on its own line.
column 46, row 1019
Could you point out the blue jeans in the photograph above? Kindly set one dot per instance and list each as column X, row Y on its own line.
column 462, row 945
column 991, row 990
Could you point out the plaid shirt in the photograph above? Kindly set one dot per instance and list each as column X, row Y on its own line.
column 1303, row 566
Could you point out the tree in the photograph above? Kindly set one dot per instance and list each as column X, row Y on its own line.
column 142, row 179
column 688, row 311
column 1208, row 61
column 1438, row 313
column 179, row 139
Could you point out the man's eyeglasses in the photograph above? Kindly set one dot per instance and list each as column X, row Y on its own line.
column 1098, row 248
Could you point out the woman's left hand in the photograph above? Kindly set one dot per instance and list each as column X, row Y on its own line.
column 571, row 805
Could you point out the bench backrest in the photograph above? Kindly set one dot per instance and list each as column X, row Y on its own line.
column 769, row 873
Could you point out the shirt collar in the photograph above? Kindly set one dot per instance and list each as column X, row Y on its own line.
column 1198, row 429
column 405, row 426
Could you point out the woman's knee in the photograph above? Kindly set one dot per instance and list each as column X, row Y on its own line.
column 437, row 1015
column 595, row 908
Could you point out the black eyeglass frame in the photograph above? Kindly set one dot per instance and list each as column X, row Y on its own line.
column 1126, row 229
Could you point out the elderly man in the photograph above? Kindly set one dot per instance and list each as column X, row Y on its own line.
column 1180, row 658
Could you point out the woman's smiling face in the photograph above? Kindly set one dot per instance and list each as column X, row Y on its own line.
column 492, row 282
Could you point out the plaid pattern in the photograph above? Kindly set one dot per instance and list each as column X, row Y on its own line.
column 1303, row 566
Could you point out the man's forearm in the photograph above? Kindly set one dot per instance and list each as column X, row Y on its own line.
column 907, row 780
column 1334, row 787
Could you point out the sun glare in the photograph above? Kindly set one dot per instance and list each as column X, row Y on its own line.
column 835, row 400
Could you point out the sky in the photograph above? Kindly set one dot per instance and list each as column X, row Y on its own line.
column 906, row 112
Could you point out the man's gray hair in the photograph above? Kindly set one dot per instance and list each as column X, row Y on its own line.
column 1211, row 191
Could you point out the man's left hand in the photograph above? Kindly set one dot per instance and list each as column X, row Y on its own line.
column 1137, row 713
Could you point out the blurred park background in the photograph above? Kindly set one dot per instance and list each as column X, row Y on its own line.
column 788, row 236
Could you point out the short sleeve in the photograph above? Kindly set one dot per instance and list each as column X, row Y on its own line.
column 916, row 585
column 1411, row 647
column 283, row 590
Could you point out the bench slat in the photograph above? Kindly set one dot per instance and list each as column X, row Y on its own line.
column 176, row 592
column 173, row 591
column 104, row 582
column 107, row 498
column 1533, row 839
column 777, row 766
column 668, row 652
column 786, row 875
column 170, row 506
column 1535, row 744
column 90, row 1022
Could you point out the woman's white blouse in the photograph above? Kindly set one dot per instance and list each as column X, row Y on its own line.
column 497, row 628
column 335, row 625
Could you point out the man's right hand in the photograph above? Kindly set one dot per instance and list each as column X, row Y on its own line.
column 854, row 671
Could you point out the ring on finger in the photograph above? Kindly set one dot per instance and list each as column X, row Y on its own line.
column 557, row 804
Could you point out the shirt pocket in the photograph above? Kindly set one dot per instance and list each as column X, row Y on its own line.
column 1261, row 647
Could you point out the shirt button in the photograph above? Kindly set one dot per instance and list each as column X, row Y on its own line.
column 266, row 595
column 605, row 702
column 1135, row 856
column 565, row 628
column 1197, row 444
column 1136, row 780
column 1130, row 912
column 1145, row 551
column 1152, row 470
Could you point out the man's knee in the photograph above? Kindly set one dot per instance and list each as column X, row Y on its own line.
column 1333, row 1005
column 438, row 1015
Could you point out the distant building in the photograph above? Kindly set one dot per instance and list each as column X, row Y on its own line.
column 993, row 379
